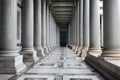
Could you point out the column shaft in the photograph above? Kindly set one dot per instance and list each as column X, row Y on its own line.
column 48, row 16
column 10, row 60
column 38, row 25
column 80, row 27
column 94, row 26
column 44, row 27
column 111, row 20
column 81, row 23
column 28, row 31
column 77, row 23
column 85, row 27
column 86, row 24
column 50, row 32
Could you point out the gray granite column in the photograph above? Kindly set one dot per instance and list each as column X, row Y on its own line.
column 51, row 49
column 69, row 36
column 76, row 29
column 77, row 24
column 48, row 26
column 80, row 27
column 85, row 26
column 44, row 26
column 54, row 35
column 50, row 32
column 94, row 26
column 69, row 30
column 10, row 60
column 81, row 23
column 111, row 20
column 38, row 25
column 76, row 32
column 57, row 36
column 28, row 50
column 73, row 33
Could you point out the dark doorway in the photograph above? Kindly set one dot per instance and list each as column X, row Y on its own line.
column 63, row 38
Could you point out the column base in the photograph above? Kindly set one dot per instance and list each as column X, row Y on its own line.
column 69, row 46
column 48, row 48
column 29, row 55
column 54, row 48
column 95, row 51
column 111, row 54
column 76, row 49
column 51, row 49
column 40, row 51
column 84, row 51
column 11, row 64
column 73, row 48
column 45, row 49
column 79, row 51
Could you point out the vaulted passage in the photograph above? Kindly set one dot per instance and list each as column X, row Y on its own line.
column 59, row 40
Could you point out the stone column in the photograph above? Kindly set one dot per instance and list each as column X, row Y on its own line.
column 80, row 27
column 37, row 30
column 54, row 32
column 48, row 17
column 77, row 24
column 81, row 22
column 50, row 33
column 71, row 38
column 85, row 26
column 28, row 50
column 10, row 60
column 55, row 36
column 69, row 34
column 94, row 26
column 44, row 27
column 111, row 20
column 59, row 37
column 73, row 32
column 75, row 28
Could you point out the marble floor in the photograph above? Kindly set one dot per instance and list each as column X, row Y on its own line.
column 62, row 64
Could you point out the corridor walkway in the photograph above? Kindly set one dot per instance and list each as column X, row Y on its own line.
column 62, row 64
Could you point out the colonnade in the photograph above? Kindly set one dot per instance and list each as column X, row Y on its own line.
column 89, row 28
column 40, row 34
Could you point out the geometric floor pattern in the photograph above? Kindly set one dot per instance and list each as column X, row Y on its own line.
column 62, row 64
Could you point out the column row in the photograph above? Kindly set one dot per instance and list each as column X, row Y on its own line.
column 40, row 34
column 89, row 29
